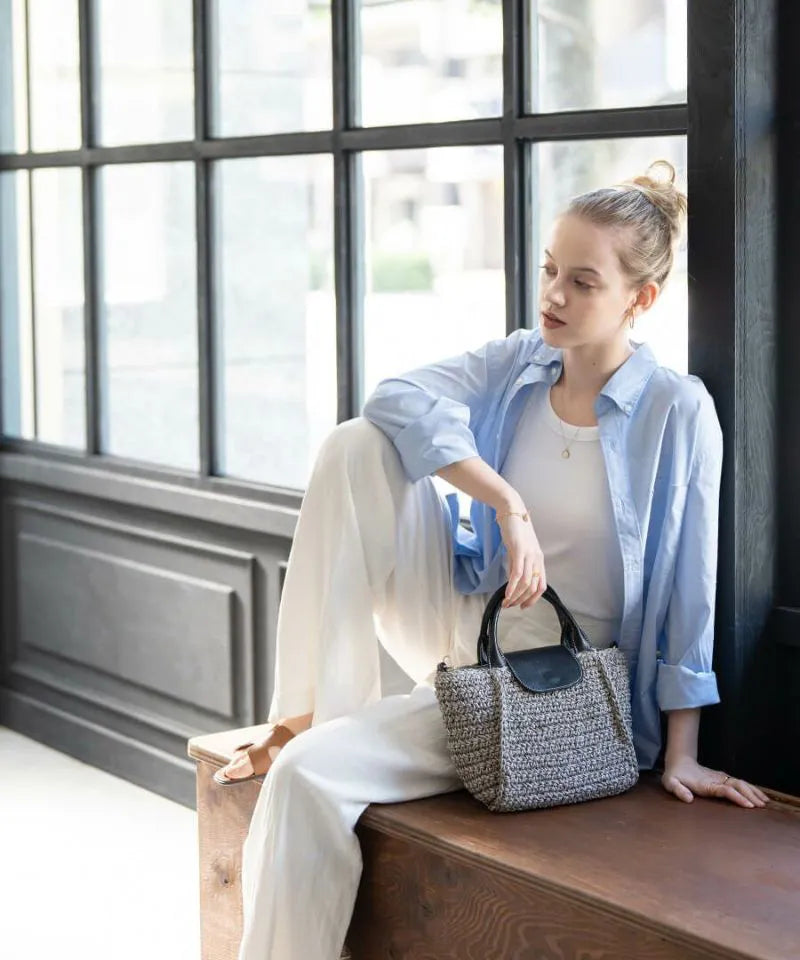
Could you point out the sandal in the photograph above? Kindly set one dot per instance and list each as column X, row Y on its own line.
column 258, row 753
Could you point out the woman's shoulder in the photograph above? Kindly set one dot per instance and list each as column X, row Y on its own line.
column 682, row 405
column 683, row 393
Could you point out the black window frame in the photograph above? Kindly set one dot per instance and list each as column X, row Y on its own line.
column 743, row 154
column 514, row 131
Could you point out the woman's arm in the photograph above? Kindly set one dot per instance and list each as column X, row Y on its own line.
column 430, row 413
column 683, row 727
column 477, row 479
column 685, row 679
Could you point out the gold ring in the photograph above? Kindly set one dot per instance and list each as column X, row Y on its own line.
column 726, row 780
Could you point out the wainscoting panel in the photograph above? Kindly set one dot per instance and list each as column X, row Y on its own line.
column 128, row 629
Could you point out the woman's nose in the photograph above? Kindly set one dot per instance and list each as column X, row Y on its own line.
column 553, row 293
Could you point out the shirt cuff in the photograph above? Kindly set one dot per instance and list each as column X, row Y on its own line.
column 435, row 440
column 680, row 688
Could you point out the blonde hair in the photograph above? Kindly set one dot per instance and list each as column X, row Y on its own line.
column 649, row 214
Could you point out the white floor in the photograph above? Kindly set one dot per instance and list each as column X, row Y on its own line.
column 93, row 867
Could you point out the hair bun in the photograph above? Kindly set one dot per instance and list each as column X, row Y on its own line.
column 664, row 194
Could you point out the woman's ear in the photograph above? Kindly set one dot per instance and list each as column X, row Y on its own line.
column 647, row 296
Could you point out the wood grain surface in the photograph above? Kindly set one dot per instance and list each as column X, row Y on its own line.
column 639, row 876
column 707, row 878
column 223, row 816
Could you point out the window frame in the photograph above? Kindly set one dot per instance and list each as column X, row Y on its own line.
column 513, row 131
column 740, row 120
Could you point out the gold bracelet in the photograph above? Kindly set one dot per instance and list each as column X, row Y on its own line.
column 511, row 513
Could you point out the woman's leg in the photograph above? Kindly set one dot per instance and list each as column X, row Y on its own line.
column 301, row 860
column 371, row 557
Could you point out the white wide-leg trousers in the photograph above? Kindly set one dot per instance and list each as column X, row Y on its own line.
column 371, row 561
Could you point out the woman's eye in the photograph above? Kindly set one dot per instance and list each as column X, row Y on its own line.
column 586, row 286
column 547, row 270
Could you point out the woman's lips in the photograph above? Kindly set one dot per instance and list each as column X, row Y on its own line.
column 550, row 322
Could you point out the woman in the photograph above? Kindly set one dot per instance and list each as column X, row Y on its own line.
column 588, row 464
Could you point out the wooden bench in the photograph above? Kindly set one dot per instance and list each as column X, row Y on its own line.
column 639, row 876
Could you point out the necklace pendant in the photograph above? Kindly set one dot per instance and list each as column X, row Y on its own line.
column 565, row 454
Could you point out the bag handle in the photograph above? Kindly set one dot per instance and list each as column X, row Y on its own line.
column 489, row 652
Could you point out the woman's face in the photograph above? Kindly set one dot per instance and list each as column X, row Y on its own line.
column 582, row 285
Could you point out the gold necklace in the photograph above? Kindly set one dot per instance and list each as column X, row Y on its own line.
column 565, row 452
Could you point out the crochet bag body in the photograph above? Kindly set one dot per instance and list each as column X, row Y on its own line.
column 540, row 727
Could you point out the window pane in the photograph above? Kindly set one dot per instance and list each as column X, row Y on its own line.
column 15, row 306
column 276, row 315
column 148, row 313
column 430, row 60
column 562, row 170
column 55, row 81
column 271, row 66
column 593, row 54
column 58, row 298
column 144, row 50
column 13, row 86
column 434, row 255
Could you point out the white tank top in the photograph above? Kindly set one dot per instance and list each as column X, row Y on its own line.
column 569, row 503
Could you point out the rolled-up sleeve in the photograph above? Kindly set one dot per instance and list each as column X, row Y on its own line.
column 685, row 677
column 430, row 413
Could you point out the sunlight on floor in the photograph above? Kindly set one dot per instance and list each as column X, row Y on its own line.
column 94, row 867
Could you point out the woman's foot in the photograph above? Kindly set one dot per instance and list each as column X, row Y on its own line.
column 264, row 751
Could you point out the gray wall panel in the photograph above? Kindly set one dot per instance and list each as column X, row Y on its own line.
column 163, row 630
column 168, row 613
column 143, row 627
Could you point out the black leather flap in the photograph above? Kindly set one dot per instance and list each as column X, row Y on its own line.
column 545, row 668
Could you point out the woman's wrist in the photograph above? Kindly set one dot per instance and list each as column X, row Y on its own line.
column 505, row 515
column 509, row 501
column 682, row 732
column 481, row 482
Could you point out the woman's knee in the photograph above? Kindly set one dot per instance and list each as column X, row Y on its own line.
column 355, row 434
column 358, row 442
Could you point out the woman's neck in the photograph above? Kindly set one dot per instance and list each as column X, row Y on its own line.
column 587, row 369
column 584, row 373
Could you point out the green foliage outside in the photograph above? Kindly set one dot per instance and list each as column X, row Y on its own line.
column 400, row 272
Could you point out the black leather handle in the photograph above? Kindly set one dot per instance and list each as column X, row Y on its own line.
column 489, row 652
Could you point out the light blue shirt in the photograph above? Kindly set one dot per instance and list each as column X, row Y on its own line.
column 662, row 448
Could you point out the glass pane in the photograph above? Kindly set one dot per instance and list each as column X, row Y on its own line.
column 145, row 71
column 594, row 54
column 276, row 315
column 434, row 255
column 271, row 66
column 434, row 278
column 55, row 80
column 15, row 306
column 13, row 84
column 430, row 60
column 148, row 313
column 58, row 297
column 563, row 170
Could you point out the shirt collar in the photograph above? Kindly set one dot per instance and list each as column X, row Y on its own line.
column 625, row 384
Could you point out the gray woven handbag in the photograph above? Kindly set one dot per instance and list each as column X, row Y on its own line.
column 540, row 727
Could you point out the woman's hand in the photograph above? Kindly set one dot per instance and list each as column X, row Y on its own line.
column 524, row 556
column 684, row 777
